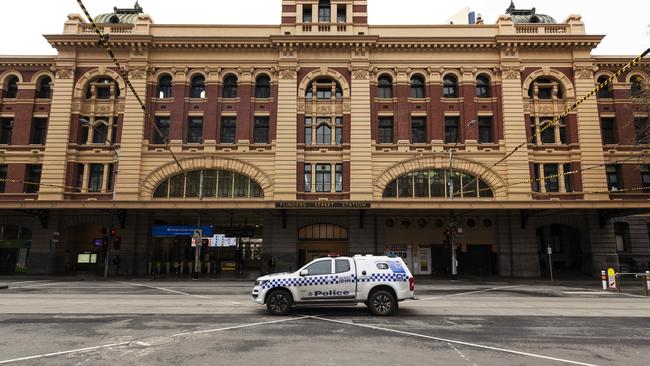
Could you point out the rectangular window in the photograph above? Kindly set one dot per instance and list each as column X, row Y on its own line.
column 114, row 137
column 622, row 235
column 110, row 178
column 547, row 133
column 418, row 130
column 607, row 127
column 80, row 177
column 3, row 175
column 228, row 130
column 339, row 177
column 195, row 130
column 163, row 126
column 437, row 182
column 33, row 176
column 613, row 183
column 225, row 183
column 339, row 131
column 551, row 181
column 39, row 131
column 485, row 135
column 6, row 130
column 568, row 187
column 323, row 132
column 452, row 134
column 306, row 14
column 641, row 130
column 533, row 131
column 261, row 130
column 95, row 177
column 324, row 12
column 100, row 133
column 323, row 178
column 324, row 93
column 405, row 185
column 308, row 131
column 385, row 130
column 307, row 177
column 341, row 13
column 536, row 179
column 545, row 92
column 645, row 177
column 421, row 183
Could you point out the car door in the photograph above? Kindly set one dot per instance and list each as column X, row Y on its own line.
column 313, row 285
column 344, row 272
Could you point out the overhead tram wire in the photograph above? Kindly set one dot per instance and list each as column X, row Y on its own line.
column 566, row 112
column 104, row 41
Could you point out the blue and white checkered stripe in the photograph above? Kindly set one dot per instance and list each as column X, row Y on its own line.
column 333, row 280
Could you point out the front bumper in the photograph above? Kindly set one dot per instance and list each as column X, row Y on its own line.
column 258, row 295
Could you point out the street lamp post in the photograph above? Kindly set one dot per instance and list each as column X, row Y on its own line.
column 452, row 224
column 84, row 122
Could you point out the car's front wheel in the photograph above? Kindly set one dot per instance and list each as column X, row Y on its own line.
column 279, row 302
column 382, row 303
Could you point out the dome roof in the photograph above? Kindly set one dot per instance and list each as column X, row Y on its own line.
column 528, row 15
column 120, row 16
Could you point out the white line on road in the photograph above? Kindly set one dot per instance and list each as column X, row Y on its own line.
column 20, row 282
column 455, row 342
column 94, row 348
column 462, row 355
column 469, row 292
column 37, row 285
column 163, row 289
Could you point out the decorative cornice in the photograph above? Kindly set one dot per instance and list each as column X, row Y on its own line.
column 584, row 72
column 64, row 72
column 288, row 74
column 510, row 73
column 360, row 75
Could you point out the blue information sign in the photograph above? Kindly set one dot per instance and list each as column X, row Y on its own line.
column 167, row 231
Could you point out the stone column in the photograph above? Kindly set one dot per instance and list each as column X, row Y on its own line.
column 360, row 135
column 591, row 143
column 514, row 128
column 58, row 133
column 127, row 186
column 286, row 139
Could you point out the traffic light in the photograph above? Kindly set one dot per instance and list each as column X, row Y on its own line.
column 117, row 241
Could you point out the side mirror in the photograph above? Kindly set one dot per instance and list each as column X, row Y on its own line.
column 304, row 272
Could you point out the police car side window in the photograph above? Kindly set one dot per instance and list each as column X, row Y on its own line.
column 320, row 268
column 342, row 265
column 382, row 266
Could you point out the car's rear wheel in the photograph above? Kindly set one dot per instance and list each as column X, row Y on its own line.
column 382, row 303
column 279, row 302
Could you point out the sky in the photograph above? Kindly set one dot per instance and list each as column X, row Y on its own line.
column 624, row 22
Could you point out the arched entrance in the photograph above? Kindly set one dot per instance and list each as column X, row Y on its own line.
column 318, row 240
column 567, row 254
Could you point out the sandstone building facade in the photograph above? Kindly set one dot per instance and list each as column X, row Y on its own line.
column 324, row 134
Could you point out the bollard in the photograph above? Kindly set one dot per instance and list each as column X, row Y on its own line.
column 603, row 279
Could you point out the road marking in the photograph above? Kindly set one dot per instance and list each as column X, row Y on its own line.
column 588, row 293
column 19, row 282
column 468, row 293
column 163, row 289
column 94, row 348
column 451, row 341
column 37, row 285
column 462, row 355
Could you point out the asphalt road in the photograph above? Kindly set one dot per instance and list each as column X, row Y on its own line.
column 200, row 323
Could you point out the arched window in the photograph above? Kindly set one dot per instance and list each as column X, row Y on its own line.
column 437, row 183
column 546, row 88
column 263, row 87
column 100, row 132
column 328, row 232
column 44, row 88
column 197, row 89
column 324, row 11
column 483, row 86
column 323, row 135
column 323, row 89
column 605, row 92
column 450, row 86
column 209, row 184
column 12, row 87
column 104, row 87
column 417, row 87
column 230, row 86
column 165, row 86
column 637, row 86
column 385, row 87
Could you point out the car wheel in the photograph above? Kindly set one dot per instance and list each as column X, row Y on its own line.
column 382, row 303
column 279, row 302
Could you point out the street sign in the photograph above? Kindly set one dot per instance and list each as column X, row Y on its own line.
column 549, row 250
column 611, row 278
column 164, row 231
column 197, row 233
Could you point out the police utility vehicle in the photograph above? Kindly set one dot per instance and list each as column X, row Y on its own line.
column 380, row 282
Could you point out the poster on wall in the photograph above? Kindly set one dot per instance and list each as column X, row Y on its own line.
column 218, row 240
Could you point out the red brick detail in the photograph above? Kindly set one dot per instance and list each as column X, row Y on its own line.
column 15, row 172
column 571, row 122
column 360, row 20
column 211, row 108
column 360, row 8
column 289, row 20
column 631, row 176
column 402, row 119
column 178, row 112
column 300, row 179
column 244, row 113
column 288, row 8
column 346, row 176
column 576, row 179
